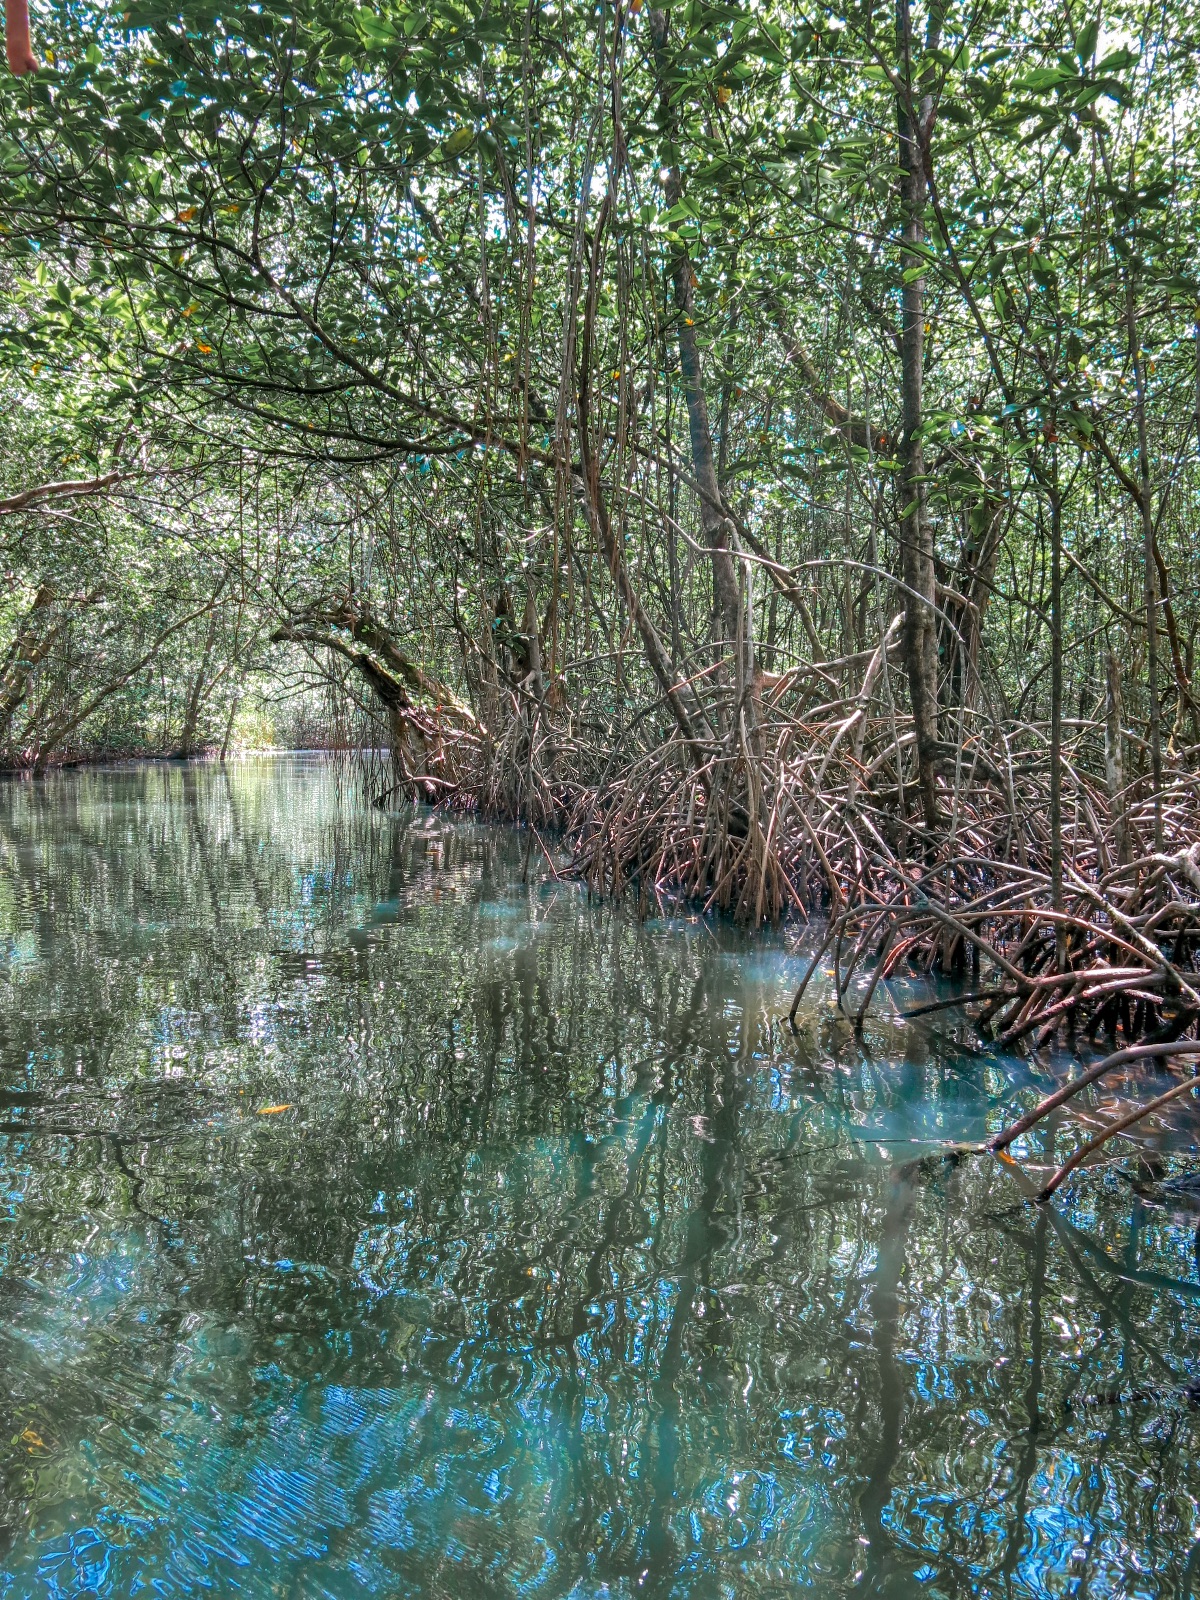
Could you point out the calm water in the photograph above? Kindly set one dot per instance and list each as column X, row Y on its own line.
column 373, row 1222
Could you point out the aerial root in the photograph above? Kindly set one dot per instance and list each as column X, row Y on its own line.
column 1112, row 952
column 798, row 819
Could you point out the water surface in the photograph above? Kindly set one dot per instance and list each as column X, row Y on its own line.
column 380, row 1217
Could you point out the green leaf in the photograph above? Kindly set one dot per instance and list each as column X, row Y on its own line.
column 459, row 142
column 1118, row 60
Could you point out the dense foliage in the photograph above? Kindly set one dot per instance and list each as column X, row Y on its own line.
column 601, row 373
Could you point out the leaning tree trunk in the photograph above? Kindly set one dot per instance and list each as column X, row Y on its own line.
column 26, row 653
column 417, row 736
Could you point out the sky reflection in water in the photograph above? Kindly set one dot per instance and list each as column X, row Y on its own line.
column 563, row 1272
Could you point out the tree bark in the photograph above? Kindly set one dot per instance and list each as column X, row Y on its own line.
column 1148, row 554
column 914, row 123
column 1114, row 752
column 1056, row 701
column 353, row 632
column 25, row 654
column 715, row 526
column 195, row 699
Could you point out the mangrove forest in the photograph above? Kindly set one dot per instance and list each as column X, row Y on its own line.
column 600, row 818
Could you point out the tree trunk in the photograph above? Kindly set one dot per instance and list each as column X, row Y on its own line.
column 973, row 583
column 25, row 654
column 675, row 694
column 1056, row 702
column 195, row 699
column 1148, row 553
column 233, row 711
column 1114, row 754
column 734, row 613
column 915, row 121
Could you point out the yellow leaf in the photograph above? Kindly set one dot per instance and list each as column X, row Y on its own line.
column 269, row 1111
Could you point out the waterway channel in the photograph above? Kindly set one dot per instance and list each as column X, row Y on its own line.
column 381, row 1217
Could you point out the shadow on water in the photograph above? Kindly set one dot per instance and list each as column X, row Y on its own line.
column 375, row 1222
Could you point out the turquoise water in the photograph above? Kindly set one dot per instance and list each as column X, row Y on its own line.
column 376, row 1222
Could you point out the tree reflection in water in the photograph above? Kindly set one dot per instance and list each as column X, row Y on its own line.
column 563, row 1272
